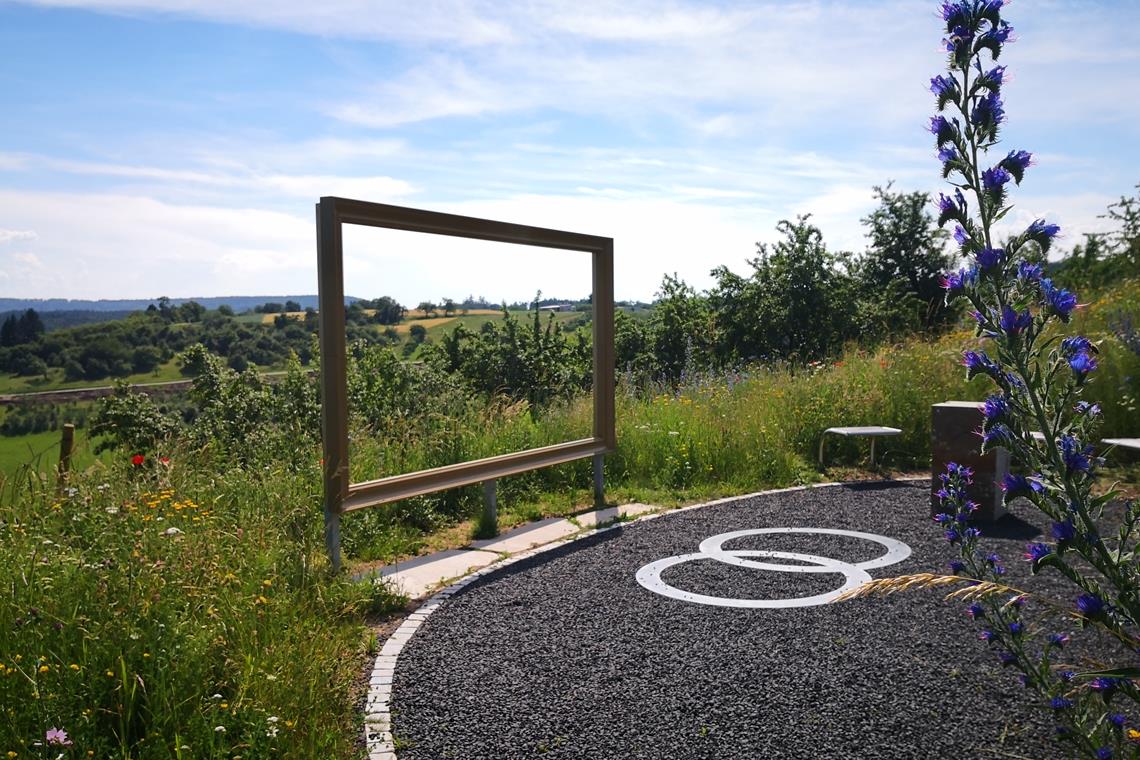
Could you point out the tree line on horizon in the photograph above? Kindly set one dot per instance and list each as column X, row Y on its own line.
column 799, row 302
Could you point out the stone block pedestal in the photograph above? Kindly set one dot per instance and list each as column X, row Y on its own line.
column 955, row 438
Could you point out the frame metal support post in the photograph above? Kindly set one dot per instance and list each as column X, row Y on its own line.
column 334, row 361
column 599, row 481
column 490, row 505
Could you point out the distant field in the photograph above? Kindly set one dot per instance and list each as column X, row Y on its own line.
column 55, row 381
column 41, row 451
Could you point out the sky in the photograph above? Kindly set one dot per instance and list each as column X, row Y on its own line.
column 177, row 147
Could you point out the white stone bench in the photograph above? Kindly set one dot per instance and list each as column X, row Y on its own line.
column 868, row 431
column 1123, row 443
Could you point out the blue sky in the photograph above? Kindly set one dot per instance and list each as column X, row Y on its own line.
column 177, row 147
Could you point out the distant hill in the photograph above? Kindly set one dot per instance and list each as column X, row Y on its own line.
column 125, row 305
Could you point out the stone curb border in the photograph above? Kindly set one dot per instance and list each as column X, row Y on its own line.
column 377, row 707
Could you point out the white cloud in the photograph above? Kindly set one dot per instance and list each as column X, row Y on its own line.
column 236, row 177
column 458, row 21
column 16, row 236
column 104, row 245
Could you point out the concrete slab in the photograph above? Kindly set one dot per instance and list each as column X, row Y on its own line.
column 418, row 576
column 531, row 534
column 610, row 514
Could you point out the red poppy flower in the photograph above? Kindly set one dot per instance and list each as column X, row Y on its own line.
column 137, row 459
column 164, row 460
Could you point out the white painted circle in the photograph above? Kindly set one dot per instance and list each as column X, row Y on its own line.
column 897, row 551
column 855, row 575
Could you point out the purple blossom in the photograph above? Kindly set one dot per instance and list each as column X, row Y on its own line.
column 1064, row 531
column 1078, row 344
column 940, row 85
column 947, row 154
column 960, row 236
column 994, row 179
column 1016, row 162
column 1085, row 408
column 994, row 78
column 1090, row 605
column 958, row 282
column 951, row 208
column 1058, row 300
column 988, row 258
column 976, row 611
column 1082, row 364
column 988, row 113
column 1013, row 323
column 1076, row 457
column 995, row 408
column 1016, row 628
column 1029, row 272
column 1007, row 658
column 1036, row 551
column 972, row 533
column 978, row 362
column 943, row 130
column 1060, row 703
column 1058, row 640
column 955, row 12
column 997, row 435
column 952, row 535
column 1040, row 228
column 996, row 37
column 960, row 471
column 1117, row 720
column 958, row 42
column 1104, row 753
column 57, row 737
column 986, row 635
column 957, row 566
column 942, row 518
column 1019, row 485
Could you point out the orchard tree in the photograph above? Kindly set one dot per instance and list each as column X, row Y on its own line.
column 907, row 247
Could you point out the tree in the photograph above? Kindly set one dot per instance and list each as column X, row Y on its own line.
column 226, row 310
column 427, row 307
column 906, row 245
column 448, row 307
column 796, row 302
column 1125, row 242
column 292, row 306
column 681, row 329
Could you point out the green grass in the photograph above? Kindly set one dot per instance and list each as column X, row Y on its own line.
column 41, row 452
column 55, row 381
column 169, row 611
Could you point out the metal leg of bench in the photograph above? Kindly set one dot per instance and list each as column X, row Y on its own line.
column 872, row 451
column 490, row 505
column 822, row 438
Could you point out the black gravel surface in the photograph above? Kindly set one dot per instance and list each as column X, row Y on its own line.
column 566, row 655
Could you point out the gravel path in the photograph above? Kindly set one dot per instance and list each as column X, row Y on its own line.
column 566, row 655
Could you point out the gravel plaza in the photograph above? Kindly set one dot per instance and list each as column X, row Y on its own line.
column 573, row 652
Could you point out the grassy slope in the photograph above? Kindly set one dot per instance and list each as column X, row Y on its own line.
column 121, row 632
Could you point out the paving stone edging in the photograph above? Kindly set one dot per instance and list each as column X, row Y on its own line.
column 377, row 708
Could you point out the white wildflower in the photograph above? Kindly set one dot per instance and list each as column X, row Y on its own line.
column 172, row 531
column 219, row 729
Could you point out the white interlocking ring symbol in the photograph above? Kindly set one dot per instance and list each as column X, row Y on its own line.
column 855, row 573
